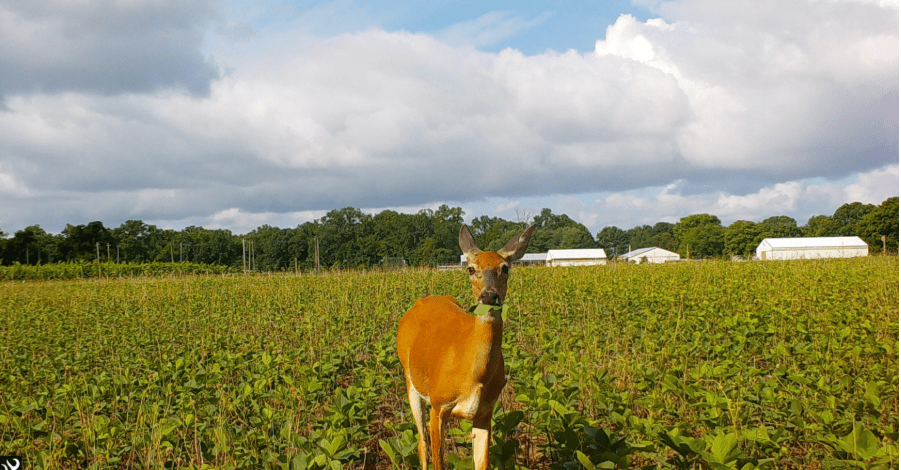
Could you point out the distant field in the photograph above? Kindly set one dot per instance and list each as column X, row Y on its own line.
column 695, row 365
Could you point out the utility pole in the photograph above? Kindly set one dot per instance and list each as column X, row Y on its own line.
column 98, row 251
column 244, row 254
column 883, row 245
column 107, row 253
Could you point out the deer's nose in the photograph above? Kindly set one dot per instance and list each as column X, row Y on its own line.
column 489, row 298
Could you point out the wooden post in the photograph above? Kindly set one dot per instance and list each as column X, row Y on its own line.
column 883, row 245
column 317, row 254
column 244, row 254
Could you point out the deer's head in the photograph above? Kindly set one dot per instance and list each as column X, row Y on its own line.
column 489, row 270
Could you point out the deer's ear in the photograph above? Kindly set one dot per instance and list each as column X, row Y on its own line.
column 515, row 248
column 467, row 244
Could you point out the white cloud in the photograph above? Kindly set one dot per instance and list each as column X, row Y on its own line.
column 502, row 209
column 774, row 87
column 712, row 94
column 797, row 199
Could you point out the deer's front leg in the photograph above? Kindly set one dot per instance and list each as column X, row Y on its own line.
column 481, row 439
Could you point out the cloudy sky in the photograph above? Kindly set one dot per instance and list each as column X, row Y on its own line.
column 237, row 114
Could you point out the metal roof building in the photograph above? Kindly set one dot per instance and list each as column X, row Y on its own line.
column 652, row 255
column 528, row 258
column 576, row 257
column 811, row 248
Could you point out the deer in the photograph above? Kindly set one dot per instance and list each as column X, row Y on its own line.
column 452, row 360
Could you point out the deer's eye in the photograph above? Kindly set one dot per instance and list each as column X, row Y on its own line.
column 472, row 270
column 505, row 270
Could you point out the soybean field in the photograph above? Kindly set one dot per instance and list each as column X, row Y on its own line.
column 769, row 365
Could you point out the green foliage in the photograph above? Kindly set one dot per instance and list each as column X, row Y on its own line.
column 780, row 226
column 644, row 236
column 553, row 232
column 881, row 221
column 29, row 245
column 84, row 269
column 699, row 236
column 843, row 222
column 741, row 238
column 84, row 242
column 614, row 241
column 693, row 365
column 818, row 226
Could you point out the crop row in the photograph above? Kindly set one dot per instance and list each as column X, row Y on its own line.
column 714, row 365
column 86, row 269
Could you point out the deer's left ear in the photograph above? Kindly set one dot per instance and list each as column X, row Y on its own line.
column 515, row 248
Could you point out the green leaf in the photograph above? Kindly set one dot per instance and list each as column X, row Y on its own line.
column 584, row 460
column 388, row 451
column 867, row 445
column 722, row 447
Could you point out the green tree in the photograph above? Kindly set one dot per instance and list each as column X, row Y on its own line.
column 700, row 234
column 489, row 231
column 552, row 232
column 547, row 220
column 340, row 234
column 780, row 226
column 881, row 221
column 740, row 238
column 272, row 247
column 138, row 241
column 818, row 226
column 81, row 242
column 641, row 236
column 614, row 240
column 576, row 236
column 199, row 245
column 30, row 245
column 704, row 241
column 394, row 234
column 846, row 217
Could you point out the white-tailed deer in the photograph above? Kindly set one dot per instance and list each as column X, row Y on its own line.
column 452, row 360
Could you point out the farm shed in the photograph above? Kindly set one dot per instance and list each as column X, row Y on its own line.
column 528, row 258
column 652, row 254
column 811, row 248
column 576, row 257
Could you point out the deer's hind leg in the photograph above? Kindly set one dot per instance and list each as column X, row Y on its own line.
column 420, row 415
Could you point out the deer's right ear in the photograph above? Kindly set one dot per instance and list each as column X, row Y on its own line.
column 467, row 244
column 515, row 248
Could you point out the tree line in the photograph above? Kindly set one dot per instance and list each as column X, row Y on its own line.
column 350, row 238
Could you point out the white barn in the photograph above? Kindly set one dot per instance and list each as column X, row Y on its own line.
column 811, row 248
column 576, row 257
column 652, row 254
column 528, row 258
